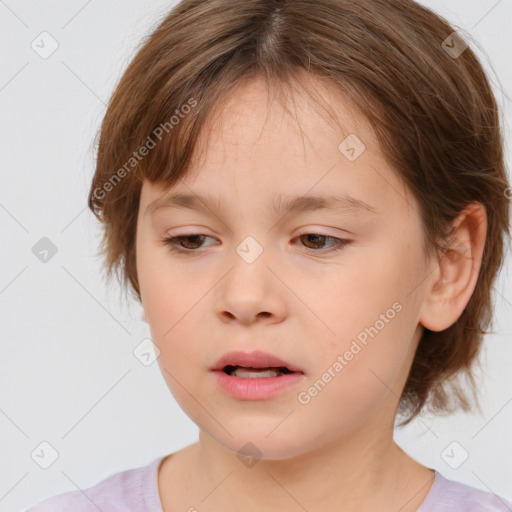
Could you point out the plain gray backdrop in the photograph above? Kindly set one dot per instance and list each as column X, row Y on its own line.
column 73, row 396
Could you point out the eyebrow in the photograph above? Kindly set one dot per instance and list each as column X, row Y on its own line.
column 342, row 204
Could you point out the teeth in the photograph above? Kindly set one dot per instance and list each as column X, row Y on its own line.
column 255, row 373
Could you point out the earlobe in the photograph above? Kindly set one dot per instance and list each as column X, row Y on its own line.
column 458, row 266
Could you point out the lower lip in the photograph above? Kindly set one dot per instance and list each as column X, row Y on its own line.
column 256, row 389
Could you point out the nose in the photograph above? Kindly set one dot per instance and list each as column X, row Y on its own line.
column 250, row 291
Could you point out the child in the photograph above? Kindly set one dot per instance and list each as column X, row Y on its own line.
column 309, row 200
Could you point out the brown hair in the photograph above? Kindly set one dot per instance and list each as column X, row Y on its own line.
column 434, row 115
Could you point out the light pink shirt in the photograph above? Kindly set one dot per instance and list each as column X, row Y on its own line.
column 136, row 490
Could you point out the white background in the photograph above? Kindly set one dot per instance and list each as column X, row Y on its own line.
column 68, row 374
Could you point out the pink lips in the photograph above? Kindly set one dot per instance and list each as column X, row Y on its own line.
column 256, row 359
column 254, row 388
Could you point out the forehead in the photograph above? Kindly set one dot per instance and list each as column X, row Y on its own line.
column 285, row 146
column 307, row 116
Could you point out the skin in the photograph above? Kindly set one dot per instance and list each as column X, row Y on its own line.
column 337, row 451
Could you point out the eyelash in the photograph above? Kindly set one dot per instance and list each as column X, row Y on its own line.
column 173, row 241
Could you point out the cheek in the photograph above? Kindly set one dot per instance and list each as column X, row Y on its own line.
column 370, row 315
column 166, row 294
column 172, row 303
column 355, row 378
column 359, row 296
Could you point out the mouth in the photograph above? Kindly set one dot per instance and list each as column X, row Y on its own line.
column 254, row 365
column 255, row 373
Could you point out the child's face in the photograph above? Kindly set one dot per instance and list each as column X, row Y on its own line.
column 302, row 306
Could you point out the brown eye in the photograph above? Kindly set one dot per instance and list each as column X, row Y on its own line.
column 195, row 241
column 185, row 243
column 314, row 242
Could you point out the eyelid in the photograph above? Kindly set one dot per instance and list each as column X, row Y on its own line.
column 306, row 230
column 172, row 242
column 317, row 230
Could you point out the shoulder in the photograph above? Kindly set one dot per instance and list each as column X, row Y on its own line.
column 448, row 495
column 133, row 489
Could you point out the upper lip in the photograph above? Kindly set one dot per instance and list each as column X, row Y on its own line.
column 255, row 359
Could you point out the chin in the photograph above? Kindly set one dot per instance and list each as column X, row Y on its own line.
column 252, row 444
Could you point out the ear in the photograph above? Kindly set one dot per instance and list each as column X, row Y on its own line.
column 458, row 266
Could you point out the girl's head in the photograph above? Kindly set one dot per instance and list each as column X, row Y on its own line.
column 381, row 293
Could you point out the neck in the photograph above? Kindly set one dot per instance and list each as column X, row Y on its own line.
column 348, row 474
